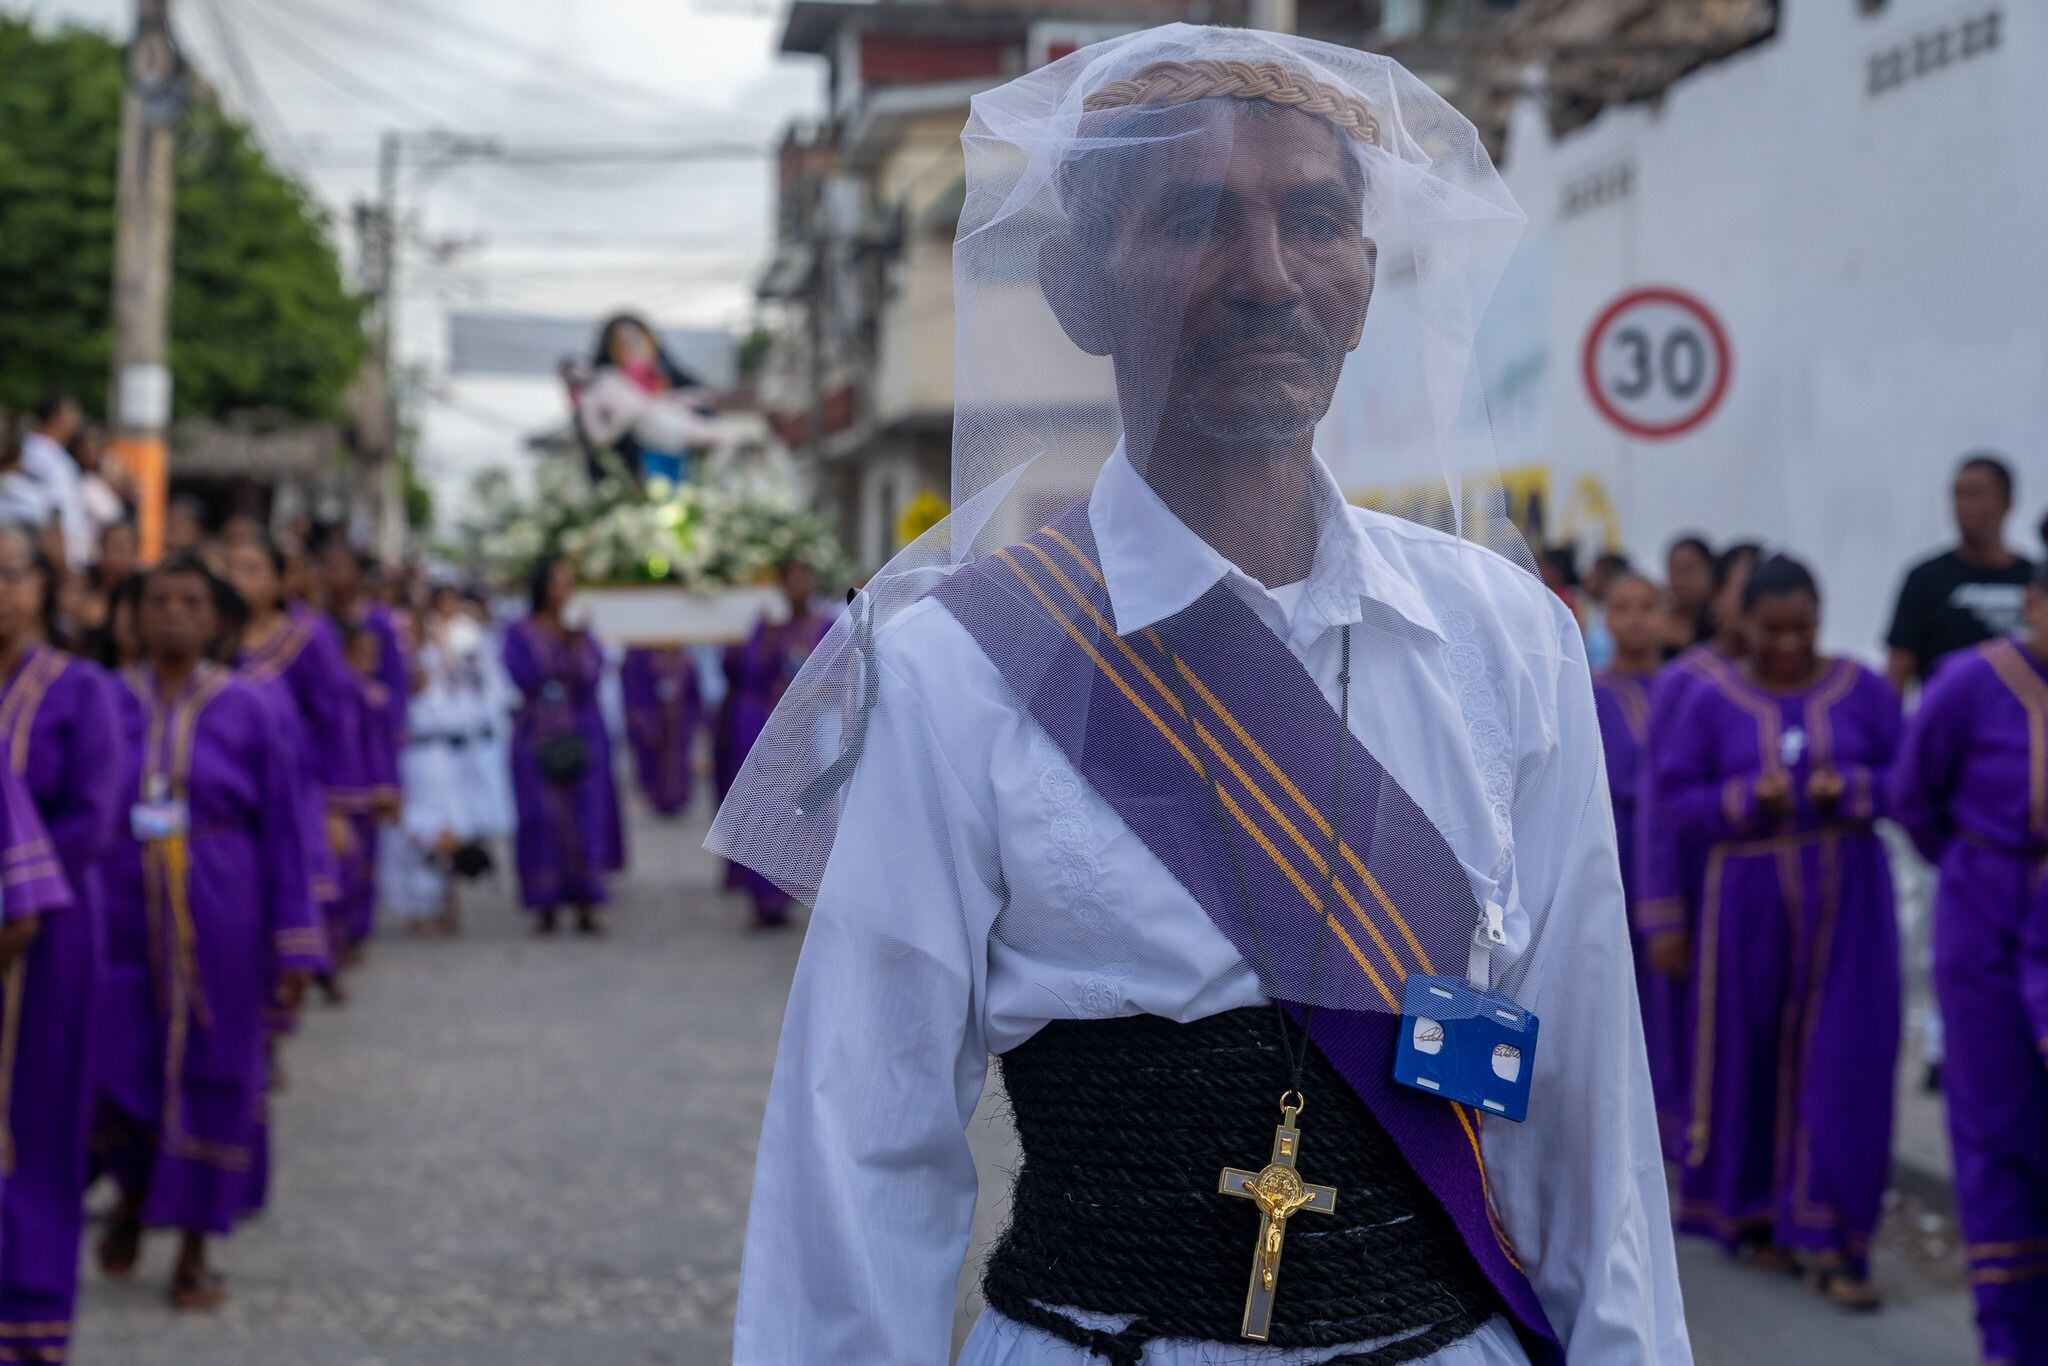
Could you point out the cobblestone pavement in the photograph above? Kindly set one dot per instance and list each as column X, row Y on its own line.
column 537, row 1153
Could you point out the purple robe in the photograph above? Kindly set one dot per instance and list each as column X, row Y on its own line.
column 57, row 720
column 394, row 670
column 570, row 835
column 1622, row 704
column 1664, row 867
column 301, row 664
column 1795, row 985
column 377, row 741
column 191, row 961
column 658, row 687
column 1971, row 787
column 757, row 673
column 377, row 750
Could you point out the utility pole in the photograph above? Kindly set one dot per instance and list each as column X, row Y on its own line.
column 389, row 525
column 139, row 396
column 1275, row 16
column 378, row 235
column 377, row 401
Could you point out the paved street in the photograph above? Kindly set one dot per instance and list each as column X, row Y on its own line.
column 529, row 1153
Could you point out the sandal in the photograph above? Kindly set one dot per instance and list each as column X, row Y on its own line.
column 1771, row 1259
column 197, row 1292
column 1851, row 1294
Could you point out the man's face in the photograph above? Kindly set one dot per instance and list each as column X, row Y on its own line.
column 1238, row 275
column 1981, row 505
column 64, row 422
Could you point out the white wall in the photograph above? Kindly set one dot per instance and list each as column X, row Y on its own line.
column 1880, row 263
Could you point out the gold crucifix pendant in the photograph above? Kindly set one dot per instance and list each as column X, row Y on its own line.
column 1280, row 1193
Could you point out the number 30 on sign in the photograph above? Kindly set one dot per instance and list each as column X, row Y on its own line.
column 1656, row 362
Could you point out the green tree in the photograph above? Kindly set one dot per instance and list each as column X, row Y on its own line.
column 260, row 317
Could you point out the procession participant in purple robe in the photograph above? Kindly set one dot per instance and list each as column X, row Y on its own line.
column 114, row 648
column 210, row 917
column 1977, row 742
column 344, row 576
column 1621, row 697
column 570, row 834
column 757, row 673
column 658, row 685
column 1782, row 765
column 57, row 723
column 1688, row 590
column 1666, row 864
column 293, row 656
column 342, row 572
column 379, row 799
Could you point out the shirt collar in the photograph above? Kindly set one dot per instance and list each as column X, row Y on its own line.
column 1155, row 566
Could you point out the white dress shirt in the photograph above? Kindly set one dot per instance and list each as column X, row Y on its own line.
column 963, row 810
column 50, row 465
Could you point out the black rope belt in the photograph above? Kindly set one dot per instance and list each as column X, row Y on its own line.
column 1125, row 1126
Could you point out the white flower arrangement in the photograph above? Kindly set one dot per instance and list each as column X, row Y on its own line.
column 699, row 535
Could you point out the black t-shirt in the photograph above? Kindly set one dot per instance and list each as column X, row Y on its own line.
column 1948, row 604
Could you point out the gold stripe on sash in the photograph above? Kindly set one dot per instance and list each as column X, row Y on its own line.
column 1315, row 857
column 1130, row 694
column 1263, row 759
column 1286, row 784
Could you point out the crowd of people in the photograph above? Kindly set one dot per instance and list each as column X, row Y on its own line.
column 225, row 768
column 1748, row 774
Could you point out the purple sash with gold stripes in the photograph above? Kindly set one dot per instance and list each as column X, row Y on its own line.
column 1263, row 731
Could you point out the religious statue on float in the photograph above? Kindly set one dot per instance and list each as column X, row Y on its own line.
column 632, row 399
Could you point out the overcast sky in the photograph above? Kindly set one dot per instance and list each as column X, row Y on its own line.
column 321, row 80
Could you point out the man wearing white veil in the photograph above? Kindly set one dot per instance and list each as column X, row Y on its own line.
column 1173, row 803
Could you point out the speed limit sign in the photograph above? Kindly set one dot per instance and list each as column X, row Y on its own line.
column 1656, row 362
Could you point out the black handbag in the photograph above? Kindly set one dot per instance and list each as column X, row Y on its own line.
column 562, row 758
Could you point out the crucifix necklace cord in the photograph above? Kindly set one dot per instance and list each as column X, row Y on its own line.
column 1277, row 1189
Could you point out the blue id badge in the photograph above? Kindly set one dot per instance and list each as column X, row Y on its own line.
column 1458, row 1042
column 159, row 819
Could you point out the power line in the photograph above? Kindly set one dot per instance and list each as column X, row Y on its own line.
column 261, row 110
column 608, row 86
column 443, row 61
column 383, row 101
column 498, row 239
column 490, row 151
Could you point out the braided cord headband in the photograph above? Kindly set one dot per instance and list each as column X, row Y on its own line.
column 1171, row 83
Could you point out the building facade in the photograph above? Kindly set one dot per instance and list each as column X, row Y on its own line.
column 1782, row 295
